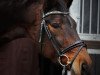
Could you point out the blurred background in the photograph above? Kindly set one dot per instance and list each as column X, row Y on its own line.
column 86, row 13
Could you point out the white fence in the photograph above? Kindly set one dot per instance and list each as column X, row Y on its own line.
column 87, row 15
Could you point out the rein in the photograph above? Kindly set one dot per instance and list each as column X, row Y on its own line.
column 61, row 53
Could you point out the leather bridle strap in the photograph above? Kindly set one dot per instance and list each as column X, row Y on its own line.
column 78, row 44
column 74, row 57
column 51, row 37
column 45, row 27
column 79, row 49
column 74, row 45
column 55, row 13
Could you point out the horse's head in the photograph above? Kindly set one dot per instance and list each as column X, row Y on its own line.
column 64, row 43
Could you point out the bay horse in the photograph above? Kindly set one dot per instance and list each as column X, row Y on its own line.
column 58, row 38
column 62, row 43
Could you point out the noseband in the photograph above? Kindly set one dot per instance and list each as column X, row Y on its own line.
column 61, row 53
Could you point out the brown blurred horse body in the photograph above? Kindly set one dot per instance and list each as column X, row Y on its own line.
column 19, row 26
column 28, row 16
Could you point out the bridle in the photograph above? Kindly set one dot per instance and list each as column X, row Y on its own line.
column 61, row 53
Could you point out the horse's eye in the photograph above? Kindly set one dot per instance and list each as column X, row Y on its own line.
column 55, row 25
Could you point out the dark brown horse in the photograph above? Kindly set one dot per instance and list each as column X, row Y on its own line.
column 64, row 45
column 18, row 51
column 59, row 39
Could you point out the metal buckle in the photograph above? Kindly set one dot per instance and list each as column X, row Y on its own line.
column 59, row 59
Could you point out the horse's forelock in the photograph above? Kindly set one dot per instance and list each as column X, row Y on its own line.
column 62, row 5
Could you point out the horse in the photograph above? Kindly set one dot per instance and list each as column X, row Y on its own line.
column 57, row 41
column 18, row 49
column 62, row 44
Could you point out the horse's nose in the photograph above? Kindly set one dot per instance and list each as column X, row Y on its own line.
column 85, row 69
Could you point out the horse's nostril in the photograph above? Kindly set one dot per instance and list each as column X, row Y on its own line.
column 85, row 70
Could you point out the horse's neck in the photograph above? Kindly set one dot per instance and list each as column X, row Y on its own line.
column 12, row 34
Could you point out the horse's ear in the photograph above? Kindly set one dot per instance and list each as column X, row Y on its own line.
column 68, row 3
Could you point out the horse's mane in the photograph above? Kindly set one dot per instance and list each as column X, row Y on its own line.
column 11, row 5
column 13, row 9
column 11, row 12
